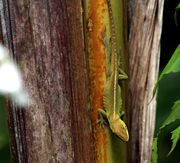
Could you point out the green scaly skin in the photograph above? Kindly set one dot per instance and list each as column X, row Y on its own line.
column 112, row 98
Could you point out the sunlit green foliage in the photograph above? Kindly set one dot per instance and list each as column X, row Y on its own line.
column 169, row 131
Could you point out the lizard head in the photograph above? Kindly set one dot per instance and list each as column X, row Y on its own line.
column 119, row 128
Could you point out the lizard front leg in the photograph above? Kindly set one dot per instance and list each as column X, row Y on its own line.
column 122, row 75
column 122, row 114
column 102, row 114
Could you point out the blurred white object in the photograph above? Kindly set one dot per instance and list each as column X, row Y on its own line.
column 11, row 82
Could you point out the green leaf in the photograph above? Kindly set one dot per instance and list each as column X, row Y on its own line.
column 169, row 126
column 172, row 67
column 175, row 137
column 177, row 9
column 174, row 115
column 173, row 64
column 164, row 142
column 154, row 158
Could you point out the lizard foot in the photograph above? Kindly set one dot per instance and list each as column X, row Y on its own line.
column 101, row 120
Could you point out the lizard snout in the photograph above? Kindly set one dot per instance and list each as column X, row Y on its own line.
column 119, row 128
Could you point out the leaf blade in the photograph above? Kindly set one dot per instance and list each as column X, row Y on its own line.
column 175, row 137
column 173, row 66
column 174, row 115
column 154, row 157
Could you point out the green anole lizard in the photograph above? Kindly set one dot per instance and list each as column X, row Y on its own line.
column 112, row 98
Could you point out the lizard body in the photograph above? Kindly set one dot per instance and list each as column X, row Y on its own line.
column 112, row 98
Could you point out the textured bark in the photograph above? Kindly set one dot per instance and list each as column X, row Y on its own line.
column 144, row 47
column 109, row 148
column 46, row 39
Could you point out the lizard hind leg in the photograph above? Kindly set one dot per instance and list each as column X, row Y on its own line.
column 101, row 115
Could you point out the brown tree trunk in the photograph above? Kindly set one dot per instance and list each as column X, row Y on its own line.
column 46, row 39
column 144, row 49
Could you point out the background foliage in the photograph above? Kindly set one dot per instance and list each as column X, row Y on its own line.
column 169, row 91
